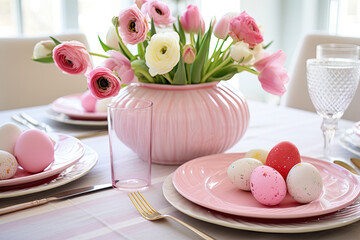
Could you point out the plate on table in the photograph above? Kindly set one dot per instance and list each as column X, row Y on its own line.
column 340, row 218
column 71, row 106
column 204, row 181
column 72, row 173
column 63, row 118
column 350, row 140
column 68, row 150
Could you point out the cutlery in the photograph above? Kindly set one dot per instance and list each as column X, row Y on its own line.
column 346, row 166
column 356, row 162
column 22, row 121
column 149, row 213
column 35, row 122
column 55, row 197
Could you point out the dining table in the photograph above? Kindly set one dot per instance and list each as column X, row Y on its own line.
column 109, row 213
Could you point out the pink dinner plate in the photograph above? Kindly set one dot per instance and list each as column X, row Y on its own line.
column 71, row 106
column 204, row 181
column 68, row 150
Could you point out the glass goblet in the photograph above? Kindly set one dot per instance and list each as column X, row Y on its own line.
column 338, row 50
column 332, row 84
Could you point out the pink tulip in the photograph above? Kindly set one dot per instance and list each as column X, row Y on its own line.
column 133, row 26
column 139, row 3
column 191, row 19
column 244, row 28
column 189, row 53
column 103, row 83
column 72, row 58
column 221, row 29
column 273, row 75
column 121, row 65
column 159, row 12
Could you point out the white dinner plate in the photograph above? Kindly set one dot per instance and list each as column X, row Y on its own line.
column 63, row 118
column 79, row 169
column 350, row 141
column 68, row 150
column 340, row 218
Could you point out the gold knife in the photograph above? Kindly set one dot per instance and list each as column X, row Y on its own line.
column 57, row 196
column 346, row 166
column 356, row 162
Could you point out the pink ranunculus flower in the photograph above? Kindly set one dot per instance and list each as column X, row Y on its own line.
column 103, row 83
column 72, row 58
column 244, row 28
column 273, row 75
column 159, row 12
column 121, row 65
column 222, row 27
column 191, row 19
column 133, row 26
column 139, row 3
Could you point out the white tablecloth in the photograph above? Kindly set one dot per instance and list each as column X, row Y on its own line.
column 109, row 214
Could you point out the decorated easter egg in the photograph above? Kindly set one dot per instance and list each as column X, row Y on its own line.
column 88, row 101
column 259, row 154
column 8, row 165
column 34, row 150
column 101, row 104
column 283, row 157
column 9, row 133
column 304, row 183
column 239, row 172
column 267, row 185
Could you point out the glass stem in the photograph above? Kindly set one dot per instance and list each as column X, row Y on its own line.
column 328, row 126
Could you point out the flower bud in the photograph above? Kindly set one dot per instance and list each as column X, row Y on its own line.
column 189, row 53
column 221, row 29
column 112, row 38
column 43, row 49
column 241, row 52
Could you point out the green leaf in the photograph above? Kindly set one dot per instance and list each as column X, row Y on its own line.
column 224, row 74
column 268, row 45
column 141, row 71
column 57, row 42
column 180, row 74
column 153, row 29
column 44, row 60
column 197, row 44
column 198, row 64
column 104, row 46
column 181, row 33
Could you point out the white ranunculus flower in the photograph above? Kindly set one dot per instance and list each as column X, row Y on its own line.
column 241, row 52
column 43, row 49
column 112, row 38
column 162, row 53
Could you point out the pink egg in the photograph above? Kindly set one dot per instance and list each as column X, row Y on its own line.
column 88, row 101
column 34, row 151
column 283, row 156
column 267, row 185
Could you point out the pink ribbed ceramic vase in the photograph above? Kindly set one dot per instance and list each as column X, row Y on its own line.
column 190, row 121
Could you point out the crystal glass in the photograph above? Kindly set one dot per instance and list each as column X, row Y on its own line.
column 332, row 84
column 337, row 50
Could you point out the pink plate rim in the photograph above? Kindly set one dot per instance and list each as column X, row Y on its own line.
column 71, row 106
column 68, row 150
column 204, row 182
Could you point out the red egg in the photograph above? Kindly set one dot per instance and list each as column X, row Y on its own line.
column 283, row 157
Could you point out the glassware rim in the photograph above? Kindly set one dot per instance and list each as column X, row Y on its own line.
column 338, row 46
column 318, row 61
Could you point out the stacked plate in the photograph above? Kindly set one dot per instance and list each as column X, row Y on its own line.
column 200, row 188
column 350, row 139
column 72, row 160
column 68, row 110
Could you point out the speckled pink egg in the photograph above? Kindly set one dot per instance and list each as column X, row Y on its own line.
column 304, row 183
column 267, row 185
column 34, row 151
column 8, row 165
column 88, row 101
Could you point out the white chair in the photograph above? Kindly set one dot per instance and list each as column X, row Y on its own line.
column 25, row 83
column 297, row 95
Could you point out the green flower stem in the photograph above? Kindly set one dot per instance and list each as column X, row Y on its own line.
column 168, row 77
column 141, row 52
column 123, row 46
column 146, row 75
column 187, row 67
column 98, row 55
column 245, row 68
column 218, row 67
column 192, row 39
column 207, row 64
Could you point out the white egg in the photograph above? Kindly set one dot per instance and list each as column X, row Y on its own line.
column 9, row 133
column 101, row 104
column 259, row 154
column 304, row 183
column 8, row 165
column 239, row 172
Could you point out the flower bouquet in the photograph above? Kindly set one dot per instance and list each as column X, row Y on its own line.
column 169, row 51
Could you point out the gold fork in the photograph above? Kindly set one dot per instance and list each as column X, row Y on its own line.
column 149, row 213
